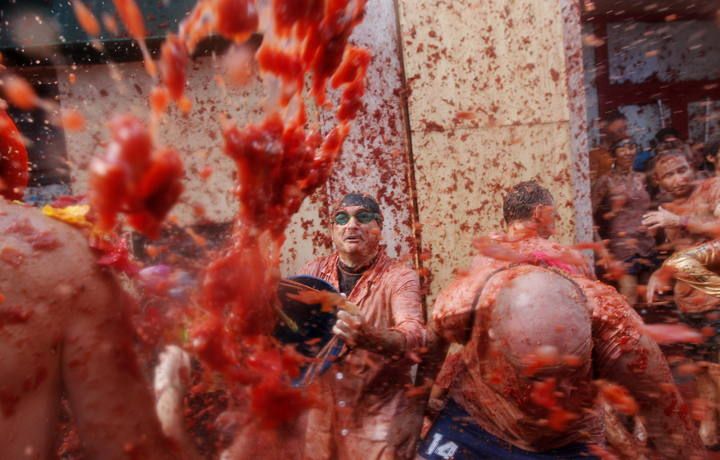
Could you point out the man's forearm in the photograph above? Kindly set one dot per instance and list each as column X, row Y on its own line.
column 385, row 341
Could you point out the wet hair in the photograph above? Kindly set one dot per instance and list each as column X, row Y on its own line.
column 360, row 199
column 664, row 155
column 520, row 202
column 622, row 142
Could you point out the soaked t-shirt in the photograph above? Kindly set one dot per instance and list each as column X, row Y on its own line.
column 362, row 398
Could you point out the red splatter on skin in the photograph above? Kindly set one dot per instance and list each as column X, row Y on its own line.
column 12, row 256
column 559, row 418
column 114, row 254
column 541, row 358
column 544, row 394
column 8, row 402
column 44, row 241
column 14, row 315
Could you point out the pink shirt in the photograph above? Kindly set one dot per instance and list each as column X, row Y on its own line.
column 362, row 395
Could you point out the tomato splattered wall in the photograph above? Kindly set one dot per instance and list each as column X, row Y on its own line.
column 495, row 97
column 375, row 156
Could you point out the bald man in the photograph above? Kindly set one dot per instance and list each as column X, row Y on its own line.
column 535, row 341
column 64, row 329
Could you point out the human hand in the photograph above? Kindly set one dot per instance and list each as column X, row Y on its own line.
column 659, row 282
column 171, row 375
column 350, row 327
column 662, row 218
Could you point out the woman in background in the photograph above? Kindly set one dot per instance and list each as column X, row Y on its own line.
column 620, row 198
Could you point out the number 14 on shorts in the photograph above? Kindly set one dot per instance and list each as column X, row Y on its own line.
column 443, row 450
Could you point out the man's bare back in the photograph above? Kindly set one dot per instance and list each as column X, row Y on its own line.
column 64, row 329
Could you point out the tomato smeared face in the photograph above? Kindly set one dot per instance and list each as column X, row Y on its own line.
column 356, row 231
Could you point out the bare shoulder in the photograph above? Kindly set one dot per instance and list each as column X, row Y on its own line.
column 42, row 259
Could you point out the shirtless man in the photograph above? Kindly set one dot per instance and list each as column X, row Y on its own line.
column 529, row 215
column 692, row 218
column 530, row 218
column 64, row 329
column 535, row 339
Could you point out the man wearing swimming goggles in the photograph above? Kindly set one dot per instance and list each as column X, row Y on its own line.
column 365, row 410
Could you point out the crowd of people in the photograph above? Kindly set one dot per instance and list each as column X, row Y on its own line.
column 532, row 352
column 652, row 208
column 544, row 347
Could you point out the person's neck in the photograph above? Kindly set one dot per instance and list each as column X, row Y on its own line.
column 357, row 261
column 684, row 198
column 522, row 230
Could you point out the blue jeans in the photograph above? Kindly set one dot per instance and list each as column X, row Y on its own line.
column 454, row 436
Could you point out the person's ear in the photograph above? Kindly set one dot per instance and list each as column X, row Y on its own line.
column 537, row 213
